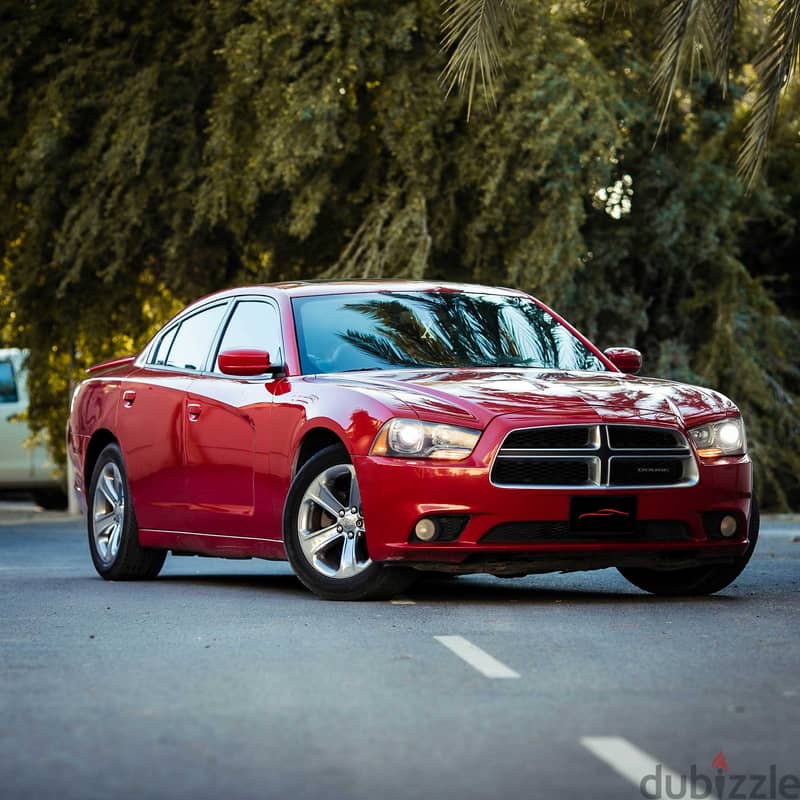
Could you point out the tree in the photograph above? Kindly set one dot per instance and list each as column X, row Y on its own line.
column 149, row 154
column 690, row 31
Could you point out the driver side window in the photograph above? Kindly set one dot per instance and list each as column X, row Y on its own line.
column 254, row 325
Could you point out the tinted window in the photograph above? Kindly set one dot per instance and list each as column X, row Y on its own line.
column 193, row 339
column 8, row 383
column 254, row 326
column 433, row 329
column 161, row 351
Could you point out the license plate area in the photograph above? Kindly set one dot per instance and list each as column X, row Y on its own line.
column 616, row 514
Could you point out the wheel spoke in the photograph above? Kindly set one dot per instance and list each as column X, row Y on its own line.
column 113, row 539
column 347, row 564
column 102, row 522
column 108, row 489
column 324, row 498
column 355, row 493
column 323, row 539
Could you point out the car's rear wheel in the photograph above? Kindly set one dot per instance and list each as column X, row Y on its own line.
column 325, row 533
column 696, row 580
column 113, row 533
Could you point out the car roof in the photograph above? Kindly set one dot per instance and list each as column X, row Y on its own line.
column 13, row 354
column 307, row 288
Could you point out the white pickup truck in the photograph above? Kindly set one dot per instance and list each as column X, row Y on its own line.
column 22, row 467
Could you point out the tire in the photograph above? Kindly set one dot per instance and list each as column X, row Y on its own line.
column 113, row 532
column 325, row 541
column 696, row 580
column 50, row 499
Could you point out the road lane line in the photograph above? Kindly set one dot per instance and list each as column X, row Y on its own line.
column 403, row 601
column 647, row 773
column 478, row 659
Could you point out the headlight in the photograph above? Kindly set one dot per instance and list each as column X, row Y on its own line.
column 724, row 438
column 412, row 438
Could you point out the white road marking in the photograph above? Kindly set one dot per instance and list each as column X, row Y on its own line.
column 650, row 776
column 403, row 601
column 479, row 659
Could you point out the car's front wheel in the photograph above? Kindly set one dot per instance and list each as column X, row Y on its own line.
column 325, row 534
column 696, row 580
column 113, row 533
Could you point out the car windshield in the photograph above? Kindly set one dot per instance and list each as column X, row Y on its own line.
column 338, row 333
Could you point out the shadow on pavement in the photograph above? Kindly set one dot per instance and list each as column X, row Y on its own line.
column 490, row 590
column 480, row 590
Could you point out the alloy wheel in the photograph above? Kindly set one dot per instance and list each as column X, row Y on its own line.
column 331, row 525
column 108, row 512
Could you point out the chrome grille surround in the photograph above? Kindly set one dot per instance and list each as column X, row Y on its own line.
column 602, row 458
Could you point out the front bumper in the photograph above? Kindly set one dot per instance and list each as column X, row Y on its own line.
column 397, row 493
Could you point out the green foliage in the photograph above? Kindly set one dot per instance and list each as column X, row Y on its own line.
column 151, row 153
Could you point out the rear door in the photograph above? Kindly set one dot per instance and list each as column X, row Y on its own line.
column 226, row 461
column 152, row 419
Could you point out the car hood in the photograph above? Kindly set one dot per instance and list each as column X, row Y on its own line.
column 476, row 396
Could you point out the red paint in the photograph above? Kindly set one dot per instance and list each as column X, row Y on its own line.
column 625, row 359
column 210, row 457
column 244, row 363
column 605, row 512
column 114, row 362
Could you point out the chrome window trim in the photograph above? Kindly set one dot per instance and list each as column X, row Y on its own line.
column 207, row 371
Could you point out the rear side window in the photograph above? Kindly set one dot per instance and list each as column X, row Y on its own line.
column 8, row 383
column 162, row 350
column 193, row 339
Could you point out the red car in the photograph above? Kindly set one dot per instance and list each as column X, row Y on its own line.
column 369, row 430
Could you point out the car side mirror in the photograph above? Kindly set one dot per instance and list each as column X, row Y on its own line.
column 625, row 359
column 246, row 363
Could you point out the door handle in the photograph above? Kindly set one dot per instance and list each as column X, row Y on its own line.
column 128, row 396
column 194, row 410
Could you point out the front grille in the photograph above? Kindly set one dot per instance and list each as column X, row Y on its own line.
column 630, row 437
column 535, row 532
column 591, row 456
column 541, row 472
column 645, row 471
column 565, row 438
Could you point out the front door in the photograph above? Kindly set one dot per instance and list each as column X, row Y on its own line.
column 223, row 462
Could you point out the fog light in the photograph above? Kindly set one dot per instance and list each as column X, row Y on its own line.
column 728, row 526
column 426, row 530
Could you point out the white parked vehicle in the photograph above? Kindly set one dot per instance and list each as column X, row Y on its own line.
column 22, row 467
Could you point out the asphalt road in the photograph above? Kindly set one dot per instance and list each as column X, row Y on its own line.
column 226, row 679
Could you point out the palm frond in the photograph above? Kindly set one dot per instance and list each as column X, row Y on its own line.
column 472, row 31
column 678, row 28
column 774, row 67
column 691, row 31
column 724, row 16
column 623, row 6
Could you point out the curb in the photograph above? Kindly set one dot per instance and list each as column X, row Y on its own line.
column 38, row 517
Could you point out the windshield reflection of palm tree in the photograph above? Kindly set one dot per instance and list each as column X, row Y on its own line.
column 447, row 330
